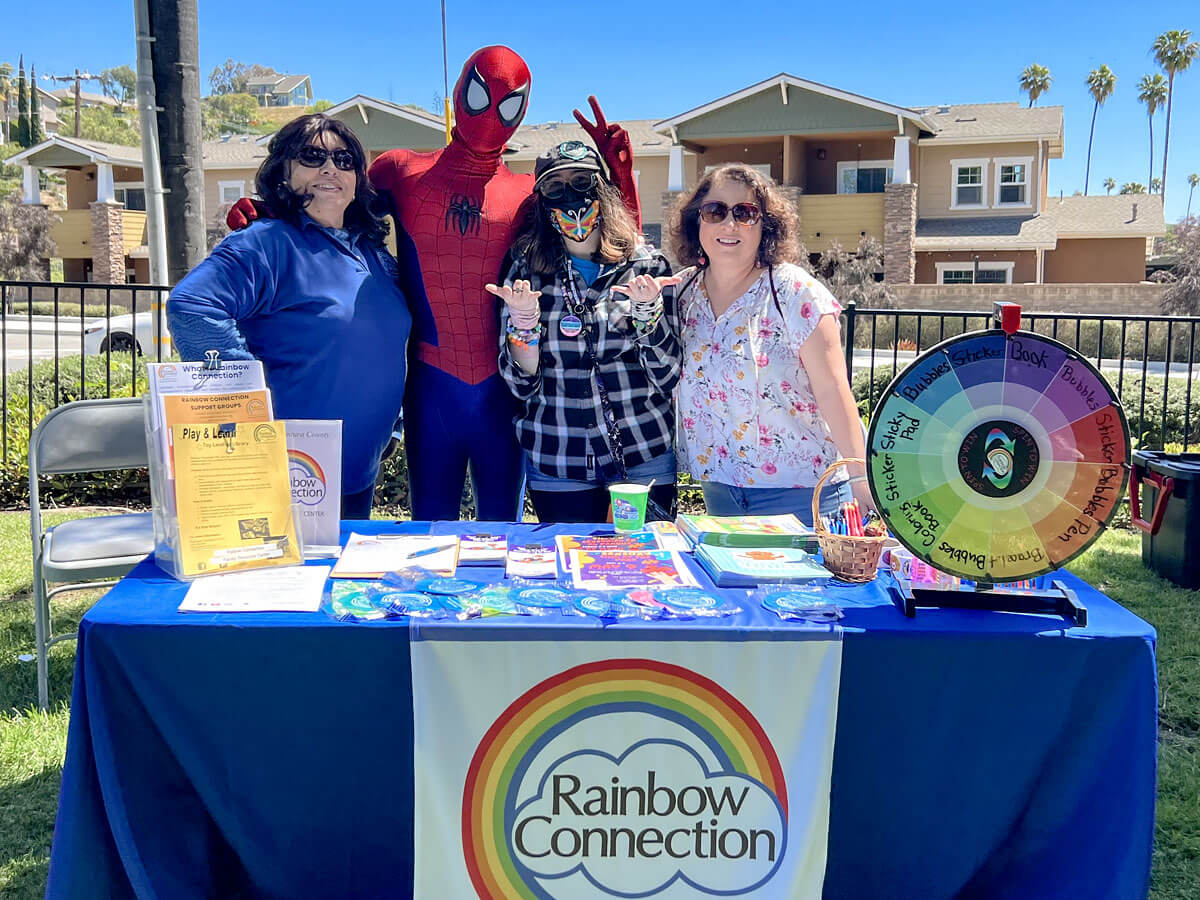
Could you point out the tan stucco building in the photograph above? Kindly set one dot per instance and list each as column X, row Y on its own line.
column 956, row 194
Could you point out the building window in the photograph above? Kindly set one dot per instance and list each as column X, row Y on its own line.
column 132, row 194
column 965, row 272
column 966, row 183
column 864, row 177
column 1012, row 181
column 231, row 191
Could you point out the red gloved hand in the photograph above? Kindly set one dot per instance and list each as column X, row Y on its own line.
column 614, row 145
column 245, row 211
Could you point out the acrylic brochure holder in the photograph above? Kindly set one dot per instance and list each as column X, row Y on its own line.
column 167, row 535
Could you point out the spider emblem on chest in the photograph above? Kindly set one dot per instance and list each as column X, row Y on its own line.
column 464, row 213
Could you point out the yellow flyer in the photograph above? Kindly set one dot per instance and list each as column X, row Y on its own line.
column 189, row 409
column 233, row 497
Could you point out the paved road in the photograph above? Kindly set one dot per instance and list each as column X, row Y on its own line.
column 17, row 347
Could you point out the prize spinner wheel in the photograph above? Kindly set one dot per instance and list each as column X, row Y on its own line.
column 996, row 457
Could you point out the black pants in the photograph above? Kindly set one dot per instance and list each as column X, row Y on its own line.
column 358, row 505
column 591, row 504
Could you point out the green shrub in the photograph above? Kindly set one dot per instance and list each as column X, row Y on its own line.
column 1148, row 429
column 51, row 387
column 65, row 309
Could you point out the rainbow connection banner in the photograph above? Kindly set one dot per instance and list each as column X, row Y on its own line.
column 583, row 769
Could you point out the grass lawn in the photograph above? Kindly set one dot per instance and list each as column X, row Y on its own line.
column 32, row 745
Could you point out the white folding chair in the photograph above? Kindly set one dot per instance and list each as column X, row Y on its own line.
column 85, row 436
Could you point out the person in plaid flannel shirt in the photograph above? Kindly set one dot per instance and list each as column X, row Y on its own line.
column 589, row 343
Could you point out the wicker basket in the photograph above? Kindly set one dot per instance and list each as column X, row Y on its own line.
column 847, row 556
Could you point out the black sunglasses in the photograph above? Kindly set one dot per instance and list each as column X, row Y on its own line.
column 314, row 157
column 556, row 189
column 715, row 212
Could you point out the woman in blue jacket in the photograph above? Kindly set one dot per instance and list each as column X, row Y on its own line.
column 312, row 293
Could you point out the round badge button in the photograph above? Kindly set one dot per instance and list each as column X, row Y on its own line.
column 570, row 326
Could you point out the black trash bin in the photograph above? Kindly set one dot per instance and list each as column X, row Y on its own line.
column 1164, row 497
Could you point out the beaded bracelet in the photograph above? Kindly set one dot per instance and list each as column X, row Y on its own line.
column 646, row 326
column 524, row 337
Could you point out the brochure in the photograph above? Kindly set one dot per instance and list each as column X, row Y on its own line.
column 185, row 393
column 233, row 500
column 315, row 470
column 619, row 569
column 669, row 536
column 374, row 555
column 749, row 566
column 482, row 549
column 531, row 561
column 633, row 540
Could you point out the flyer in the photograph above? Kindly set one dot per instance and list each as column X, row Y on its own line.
column 233, row 499
column 210, row 409
column 314, row 448
column 614, row 569
column 635, row 540
column 294, row 589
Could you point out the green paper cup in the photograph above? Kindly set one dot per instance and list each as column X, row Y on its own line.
column 629, row 506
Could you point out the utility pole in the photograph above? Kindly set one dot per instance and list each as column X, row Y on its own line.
column 148, row 110
column 175, row 60
column 76, row 78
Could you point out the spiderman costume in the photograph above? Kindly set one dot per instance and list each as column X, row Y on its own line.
column 458, row 209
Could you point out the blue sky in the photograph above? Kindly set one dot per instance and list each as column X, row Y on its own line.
column 655, row 59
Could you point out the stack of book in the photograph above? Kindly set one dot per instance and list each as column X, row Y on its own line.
column 747, row 531
column 750, row 566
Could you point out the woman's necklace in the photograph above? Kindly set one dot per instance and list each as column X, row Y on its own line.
column 571, row 324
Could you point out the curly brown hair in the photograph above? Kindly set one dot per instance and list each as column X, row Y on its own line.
column 542, row 246
column 780, row 223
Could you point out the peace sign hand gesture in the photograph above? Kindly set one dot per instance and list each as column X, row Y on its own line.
column 611, row 140
column 645, row 288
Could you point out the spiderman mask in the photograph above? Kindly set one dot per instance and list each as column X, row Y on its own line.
column 490, row 99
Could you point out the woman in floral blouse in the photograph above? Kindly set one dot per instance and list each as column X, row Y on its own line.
column 764, row 405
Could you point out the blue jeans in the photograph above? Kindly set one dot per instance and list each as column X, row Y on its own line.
column 729, row 500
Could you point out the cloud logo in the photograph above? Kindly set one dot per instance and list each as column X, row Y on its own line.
column 634, row 825
column 623, row 778
column 307, row 478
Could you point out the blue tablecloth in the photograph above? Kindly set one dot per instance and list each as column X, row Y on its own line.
column 269, row 755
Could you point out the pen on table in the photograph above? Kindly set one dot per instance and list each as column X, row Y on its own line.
column 426, row 551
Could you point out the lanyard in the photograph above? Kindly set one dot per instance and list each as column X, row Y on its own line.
column 578, row 306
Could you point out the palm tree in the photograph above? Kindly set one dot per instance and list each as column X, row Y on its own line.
column 1101, row 83
column 1155, row 185
column 1174, row 51
column 1110, row 184
column 1193, row 180
column 1035, row 81
column 1152, row 90
column 6, row 87
column 1133, row 187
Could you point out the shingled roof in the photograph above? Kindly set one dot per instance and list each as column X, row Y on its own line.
column 1126, row 215
column 531, row 140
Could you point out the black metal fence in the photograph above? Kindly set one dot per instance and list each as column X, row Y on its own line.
column 63, row 342
column 71, row 341
column 1153, row 362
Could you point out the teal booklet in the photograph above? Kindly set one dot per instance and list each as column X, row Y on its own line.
column 749, row 566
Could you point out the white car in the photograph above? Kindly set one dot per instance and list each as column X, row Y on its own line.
column 120, row 334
